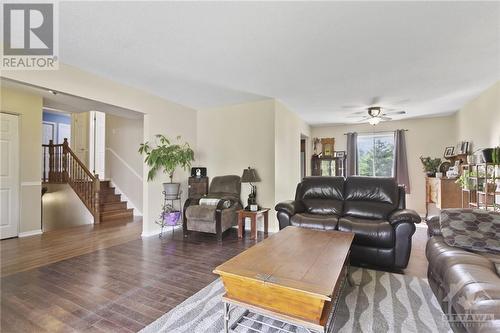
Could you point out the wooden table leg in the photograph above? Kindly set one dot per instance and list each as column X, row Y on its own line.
column 253, row 227
column 266, row 222
column 241, row 225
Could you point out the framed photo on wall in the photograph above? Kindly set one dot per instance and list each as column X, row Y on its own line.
column 328, row 146
column 448, row 151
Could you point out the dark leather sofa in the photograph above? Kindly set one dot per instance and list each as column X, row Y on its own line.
column 466, row 284
column 373, row 208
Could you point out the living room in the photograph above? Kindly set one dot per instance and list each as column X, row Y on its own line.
column 280, row 128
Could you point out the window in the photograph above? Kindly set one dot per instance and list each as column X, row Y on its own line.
column 376, row 154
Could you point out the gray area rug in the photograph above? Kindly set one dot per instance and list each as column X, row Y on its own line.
column 378, row 302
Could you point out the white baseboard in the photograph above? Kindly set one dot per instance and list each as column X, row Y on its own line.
column 150, row 233
column 30, row 233
column 137, row 212
column 166, row 230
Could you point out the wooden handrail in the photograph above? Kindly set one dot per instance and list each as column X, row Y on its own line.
column 77, row 160
column 64, row 166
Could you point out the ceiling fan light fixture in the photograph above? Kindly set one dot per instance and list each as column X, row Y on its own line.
column 375, row 111
column 374, row 121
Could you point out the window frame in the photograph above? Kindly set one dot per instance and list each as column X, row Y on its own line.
column 373, row 136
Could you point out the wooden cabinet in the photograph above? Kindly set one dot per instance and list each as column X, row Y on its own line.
column 443, row 192
column 327, row 166
column 197, row 187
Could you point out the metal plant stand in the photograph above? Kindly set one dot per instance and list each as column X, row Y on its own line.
column 172, row 202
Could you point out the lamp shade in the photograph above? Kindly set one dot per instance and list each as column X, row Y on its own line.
column 250, row 176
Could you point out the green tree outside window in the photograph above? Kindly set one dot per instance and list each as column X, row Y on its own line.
column 376, row 155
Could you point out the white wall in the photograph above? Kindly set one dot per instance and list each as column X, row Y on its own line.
column 264, row 135
column 479, row 120
column 124, row 165
column 235, row 137
column 62, row 208
column 425, row 137
column 289, row 128
column 160, row 116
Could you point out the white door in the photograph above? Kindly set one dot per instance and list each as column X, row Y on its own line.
column 48, row 132
column 63, row 132
column 9, row 175
column 80, row 136
column 97, row 140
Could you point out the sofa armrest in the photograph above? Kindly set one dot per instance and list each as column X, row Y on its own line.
column 404, row 215
column 290, row 207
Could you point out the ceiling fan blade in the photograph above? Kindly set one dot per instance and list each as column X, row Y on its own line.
column 395, row 112
column 358, row 112
column 351, row 106
column 385, row 118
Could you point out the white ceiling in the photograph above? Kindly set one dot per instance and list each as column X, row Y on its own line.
column 62, row 102
column 318, row 58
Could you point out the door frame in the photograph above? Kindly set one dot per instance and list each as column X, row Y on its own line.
column 54, row 130
column 18, row 183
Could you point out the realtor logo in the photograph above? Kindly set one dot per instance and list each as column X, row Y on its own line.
column 29, row 33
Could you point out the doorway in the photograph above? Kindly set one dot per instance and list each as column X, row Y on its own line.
column 302, row 158
column 97, row 143
column 9, row 175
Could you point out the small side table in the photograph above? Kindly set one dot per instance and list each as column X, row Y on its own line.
column 242, row 214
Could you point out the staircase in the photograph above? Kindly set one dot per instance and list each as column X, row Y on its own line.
column 112, row 207
column 62, row 165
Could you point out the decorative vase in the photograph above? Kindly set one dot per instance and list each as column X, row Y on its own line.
column 171, row 190
column 430, row 173
column 171, row 218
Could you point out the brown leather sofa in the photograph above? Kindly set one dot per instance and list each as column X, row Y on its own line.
column 466, row 284
column 214, row 219
column 371, row 207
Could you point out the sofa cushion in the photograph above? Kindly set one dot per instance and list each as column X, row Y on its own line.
column 313, row 221
column 321, row 195
column 379, row 233
column 370, row 197
column 322, row 206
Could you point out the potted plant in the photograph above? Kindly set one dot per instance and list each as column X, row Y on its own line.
column 464, row 179
column 430, row 165
column 167, row 156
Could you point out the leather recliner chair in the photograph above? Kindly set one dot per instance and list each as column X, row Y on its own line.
column 214, row 219
column 373, row 208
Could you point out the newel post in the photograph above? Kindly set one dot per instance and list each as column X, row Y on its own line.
column 97, row 200
column 51, row 161
column 65, row 160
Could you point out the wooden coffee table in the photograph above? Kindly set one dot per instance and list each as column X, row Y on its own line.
column 294, row 276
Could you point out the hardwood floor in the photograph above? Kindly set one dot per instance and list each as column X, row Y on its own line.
column 117, row 288
column 20, row 254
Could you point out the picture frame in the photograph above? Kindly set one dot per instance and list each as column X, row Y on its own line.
column 328, row 146
column 462, row 148
column 448, row 151
column 340, row 154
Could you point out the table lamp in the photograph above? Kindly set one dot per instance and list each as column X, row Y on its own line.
column 250, row 176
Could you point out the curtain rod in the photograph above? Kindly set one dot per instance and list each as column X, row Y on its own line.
column 376, row 132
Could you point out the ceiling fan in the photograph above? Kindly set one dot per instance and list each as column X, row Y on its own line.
column 376, row 114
